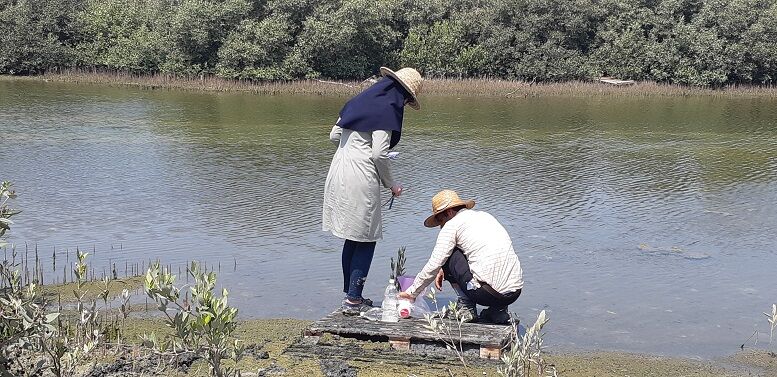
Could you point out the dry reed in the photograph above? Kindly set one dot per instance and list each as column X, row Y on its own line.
column 481, row 87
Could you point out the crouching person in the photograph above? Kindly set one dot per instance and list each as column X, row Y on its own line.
column 475, row 254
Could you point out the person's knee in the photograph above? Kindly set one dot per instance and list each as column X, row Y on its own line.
column 456, row 268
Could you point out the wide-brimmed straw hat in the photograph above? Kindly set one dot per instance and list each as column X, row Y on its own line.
column 410, row 79
column 445, row 199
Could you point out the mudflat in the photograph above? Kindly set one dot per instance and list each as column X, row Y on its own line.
column 276, row 347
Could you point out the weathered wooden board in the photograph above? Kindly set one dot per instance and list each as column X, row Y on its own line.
column 441, row 357
column 408, row 330
column 616, row 82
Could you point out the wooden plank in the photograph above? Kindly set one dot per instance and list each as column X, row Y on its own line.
column 490, row 352
column 401, row 343
column 350, row 352
column 616, row 82
column 412, row 328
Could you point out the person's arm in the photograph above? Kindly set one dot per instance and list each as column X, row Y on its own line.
column 380, row 148
column 446, row 242
column 334, row 135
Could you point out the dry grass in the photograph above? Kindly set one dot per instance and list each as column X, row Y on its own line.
column 505, row 88
column 202, row 83
column 432, row 87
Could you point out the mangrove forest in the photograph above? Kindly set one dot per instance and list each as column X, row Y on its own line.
column 706, row 43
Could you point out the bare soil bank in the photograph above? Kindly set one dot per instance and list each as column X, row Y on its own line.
column 432, row 87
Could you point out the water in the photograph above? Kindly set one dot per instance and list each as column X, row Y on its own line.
column 642, row 225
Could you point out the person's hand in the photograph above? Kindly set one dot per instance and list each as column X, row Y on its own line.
column 396, row 190
column 438, row 280
column 406, row 296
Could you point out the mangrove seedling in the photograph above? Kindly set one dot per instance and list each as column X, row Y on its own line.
column 525, row 352
column 203, row 326
column 398, row 267
column 6, row 194
column 27, row 330
column 772, row 318
column 449, row 335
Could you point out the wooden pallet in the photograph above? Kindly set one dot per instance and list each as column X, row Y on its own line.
column 489, row 338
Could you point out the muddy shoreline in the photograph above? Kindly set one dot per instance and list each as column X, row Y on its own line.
column 277, row 347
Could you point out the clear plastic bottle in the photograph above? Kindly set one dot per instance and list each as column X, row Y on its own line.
column 389, row 306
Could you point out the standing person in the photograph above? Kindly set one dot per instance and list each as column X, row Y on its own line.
column 475, row 254
column 369, row 125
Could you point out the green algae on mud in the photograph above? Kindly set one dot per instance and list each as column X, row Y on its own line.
column 267, row 342
column 93, row 289
column 614, row 364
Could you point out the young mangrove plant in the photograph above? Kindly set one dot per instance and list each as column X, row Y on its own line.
column 6, row 194
column 31, row 340
column 772, row 318
column 449, row 332
column 524, row 355
column 203, row 327
column 398, row 267
column 88, row 329
column 66, row 349
column 25, row 327
column 34, row 338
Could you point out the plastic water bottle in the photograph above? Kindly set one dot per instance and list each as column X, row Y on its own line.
column 389, row 305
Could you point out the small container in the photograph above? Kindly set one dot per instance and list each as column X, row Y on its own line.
column 405, row 309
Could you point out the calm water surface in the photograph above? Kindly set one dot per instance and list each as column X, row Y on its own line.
column 642, row 225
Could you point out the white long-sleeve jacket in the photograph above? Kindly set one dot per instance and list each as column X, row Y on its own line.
column 487, row 246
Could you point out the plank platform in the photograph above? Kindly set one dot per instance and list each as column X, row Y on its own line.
column 489, row 338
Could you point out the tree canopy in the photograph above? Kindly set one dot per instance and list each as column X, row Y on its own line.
column 693, row 42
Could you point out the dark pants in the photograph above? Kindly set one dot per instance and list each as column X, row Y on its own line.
column 357, row 257
column 457, row 271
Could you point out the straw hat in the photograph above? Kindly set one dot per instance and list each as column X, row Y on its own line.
column 410, row 79
column 445, row 199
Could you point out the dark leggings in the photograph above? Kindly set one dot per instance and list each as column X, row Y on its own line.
column 357, row 257
column 457, row 271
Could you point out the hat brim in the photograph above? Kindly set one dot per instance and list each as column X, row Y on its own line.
column 432, row 222
column 384, row 71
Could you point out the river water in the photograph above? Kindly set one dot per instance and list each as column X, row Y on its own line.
column 642, row 224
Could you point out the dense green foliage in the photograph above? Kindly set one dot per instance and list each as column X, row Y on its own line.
column 694, row 42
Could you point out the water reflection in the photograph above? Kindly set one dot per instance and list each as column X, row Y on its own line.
column 631, row 216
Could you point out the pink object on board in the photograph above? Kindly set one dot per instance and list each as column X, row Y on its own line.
column 405, row 309
column 405, row 281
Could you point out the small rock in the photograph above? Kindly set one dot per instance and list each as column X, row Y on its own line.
column 272, row 370
column 337, row 368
